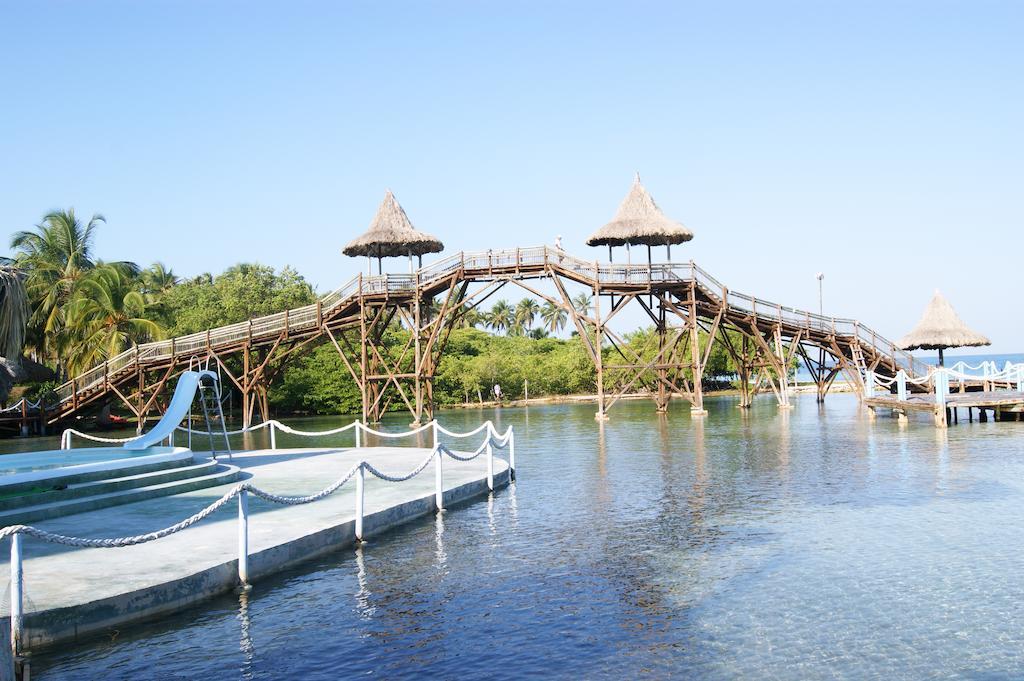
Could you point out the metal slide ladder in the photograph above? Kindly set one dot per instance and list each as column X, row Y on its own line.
column 210, row 401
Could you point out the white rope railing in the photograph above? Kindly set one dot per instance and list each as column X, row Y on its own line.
column 1009, row 373
column 20, row 404
column 939, row 378
column 492, row 441
column 274, row 426
column 66, row 443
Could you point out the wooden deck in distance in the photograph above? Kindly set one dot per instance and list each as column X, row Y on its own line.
column 1001, row 400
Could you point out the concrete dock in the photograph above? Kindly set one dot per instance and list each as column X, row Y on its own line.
column 72, row 593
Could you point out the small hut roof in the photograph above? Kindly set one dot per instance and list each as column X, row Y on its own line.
column 940, row 327
column 392, row 235
column 640, row 221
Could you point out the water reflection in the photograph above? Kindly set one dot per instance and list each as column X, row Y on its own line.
column 602, row 495
column 699, row 458
column 512, row 504
column 491, row 524
column 245, row 643
column 363, row 605
column 784, row 441
column 440, row 555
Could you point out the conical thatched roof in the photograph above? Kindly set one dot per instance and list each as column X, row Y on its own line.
column 940, row 327
column 640, row 221
column 392, row 235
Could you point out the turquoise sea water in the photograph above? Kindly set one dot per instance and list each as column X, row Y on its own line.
column 814, row 544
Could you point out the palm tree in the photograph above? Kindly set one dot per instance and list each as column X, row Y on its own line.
column 470, row 317
column 501, row 318
column 526, row 312
column 157, row 280
column 581, row 302
column 554, row 317
column 57, row 255
column 14, row 310
column 108, row 315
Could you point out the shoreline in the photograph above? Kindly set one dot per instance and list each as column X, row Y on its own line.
column 576, row 398
column 799, row 389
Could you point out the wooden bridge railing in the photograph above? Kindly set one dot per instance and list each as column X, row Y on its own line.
column 534, row 261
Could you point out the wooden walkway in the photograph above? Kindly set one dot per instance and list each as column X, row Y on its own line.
column 1001, row 404
column 680, row 298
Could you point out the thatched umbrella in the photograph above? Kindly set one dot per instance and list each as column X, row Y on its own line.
column 640, row 221
column 391, row 235
column 941, row 328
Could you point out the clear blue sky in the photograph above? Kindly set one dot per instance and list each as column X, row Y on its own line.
column 879, row 142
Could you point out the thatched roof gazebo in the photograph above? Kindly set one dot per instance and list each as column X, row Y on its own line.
column 639, row 221
column 391, row 235
column 940, row 328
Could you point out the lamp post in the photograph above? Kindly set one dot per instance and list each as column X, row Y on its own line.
column 821, row 307
column 820, row 276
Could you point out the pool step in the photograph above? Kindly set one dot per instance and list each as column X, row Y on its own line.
column 106, row 493
column 74, row 477
column 165, row 471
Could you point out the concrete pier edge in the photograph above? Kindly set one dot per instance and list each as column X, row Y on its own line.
column 46, row 628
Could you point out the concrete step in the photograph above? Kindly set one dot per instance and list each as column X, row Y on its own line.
column 220, row 474
column 139, row 476
column 73, row 478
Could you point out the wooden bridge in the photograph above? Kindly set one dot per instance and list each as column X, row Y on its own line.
column 690, row 310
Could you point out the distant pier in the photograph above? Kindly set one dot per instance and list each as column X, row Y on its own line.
column 991, row 392
column 1001, row 405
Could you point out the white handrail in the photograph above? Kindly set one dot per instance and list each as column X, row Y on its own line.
column 242, row 490
column 938, row 378
column 273, row 424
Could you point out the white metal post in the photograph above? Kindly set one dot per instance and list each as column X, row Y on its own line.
column 1020, row 378
column 490, row 465
column 438, row 481
column 273, row 436
column 434, row 428
column 360, row 507
column 901, row 385
column 512, row 456
column 17, row 591
column 869, row 383
column 358, row 439
column 941, row 386
column 243, row 537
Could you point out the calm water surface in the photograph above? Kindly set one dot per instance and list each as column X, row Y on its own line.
column 814, row 544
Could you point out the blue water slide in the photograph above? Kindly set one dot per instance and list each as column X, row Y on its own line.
column 181, row 402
